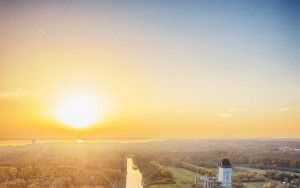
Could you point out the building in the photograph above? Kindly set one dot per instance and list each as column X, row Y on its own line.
column 33, row 141
column 286, row 149
column 207, row 182
column 224, row 178
column 225, row 173
column 297, row 151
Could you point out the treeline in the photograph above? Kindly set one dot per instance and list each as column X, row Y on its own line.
column 263, row 161
column 211, row 159
column 269, row 159
column 197, row 169
column 61, row 166
column 246, row 176
column 290, row 180
column 283, row 177
column 152, row 171
column 176, row 161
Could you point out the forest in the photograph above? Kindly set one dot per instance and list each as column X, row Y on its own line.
column 61, row 165
column 93, row 163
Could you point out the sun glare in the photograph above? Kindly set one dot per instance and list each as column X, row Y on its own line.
column 79, row 111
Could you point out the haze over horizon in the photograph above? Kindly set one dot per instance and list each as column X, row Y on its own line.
column 194, row 69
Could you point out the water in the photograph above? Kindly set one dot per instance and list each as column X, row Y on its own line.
column 134, row 177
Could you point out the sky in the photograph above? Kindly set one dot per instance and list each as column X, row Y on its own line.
column 189, row 69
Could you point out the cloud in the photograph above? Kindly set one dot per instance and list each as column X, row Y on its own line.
column 183, row 111
column 15, row 94
column 232, row 110
column 228, row 113
column 284, row 109
column 225, row 115
column 187, row 111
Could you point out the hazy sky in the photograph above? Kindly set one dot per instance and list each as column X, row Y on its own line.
column 160, row 68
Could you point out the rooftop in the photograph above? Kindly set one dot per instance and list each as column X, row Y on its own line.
column 225, row 163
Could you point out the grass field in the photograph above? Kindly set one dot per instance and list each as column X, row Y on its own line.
column 183, row 178
column 170, row 186
column 253, row 185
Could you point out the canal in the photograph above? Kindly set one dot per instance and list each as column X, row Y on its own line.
column 134, row 177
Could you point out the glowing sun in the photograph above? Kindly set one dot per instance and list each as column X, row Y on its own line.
column 79, row 110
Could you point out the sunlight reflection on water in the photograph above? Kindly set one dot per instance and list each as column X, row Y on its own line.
column 134, row 177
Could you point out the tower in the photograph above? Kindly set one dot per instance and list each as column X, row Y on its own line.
column 225, row 173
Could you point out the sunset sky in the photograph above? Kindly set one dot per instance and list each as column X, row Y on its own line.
column 155, row 68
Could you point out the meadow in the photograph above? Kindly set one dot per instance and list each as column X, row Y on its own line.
column 253, row 184
column 183, row 178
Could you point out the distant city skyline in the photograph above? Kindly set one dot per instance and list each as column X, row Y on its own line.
column 142, row 69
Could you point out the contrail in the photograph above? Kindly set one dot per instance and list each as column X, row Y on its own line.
column 41, row 30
